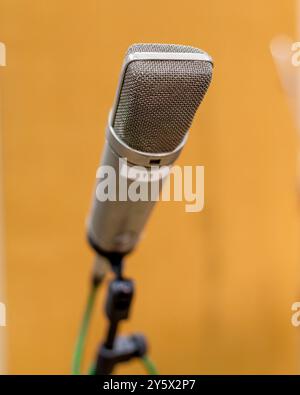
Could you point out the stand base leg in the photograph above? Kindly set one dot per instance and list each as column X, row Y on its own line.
column 125, row 349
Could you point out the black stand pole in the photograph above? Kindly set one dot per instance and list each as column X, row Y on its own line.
column 119, row 349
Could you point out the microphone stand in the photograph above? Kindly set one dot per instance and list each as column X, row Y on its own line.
column 118, row 349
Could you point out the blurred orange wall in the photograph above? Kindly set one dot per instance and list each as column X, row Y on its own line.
column 214, row 289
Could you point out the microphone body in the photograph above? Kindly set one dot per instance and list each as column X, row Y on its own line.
column 160, row 89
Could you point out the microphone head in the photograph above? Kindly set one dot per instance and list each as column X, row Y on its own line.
column 161, row 87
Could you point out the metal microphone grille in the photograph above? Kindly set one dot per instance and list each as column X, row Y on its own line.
column 162, row 48
column 159, row 98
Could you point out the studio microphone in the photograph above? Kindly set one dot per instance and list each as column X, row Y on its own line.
column 160, row 89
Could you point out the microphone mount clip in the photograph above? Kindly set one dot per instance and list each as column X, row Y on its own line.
column 120, row 349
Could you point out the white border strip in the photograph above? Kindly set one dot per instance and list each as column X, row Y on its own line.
column 3, row 330
column 297, row 29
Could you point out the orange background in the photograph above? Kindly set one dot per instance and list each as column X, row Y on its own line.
column 214, row 289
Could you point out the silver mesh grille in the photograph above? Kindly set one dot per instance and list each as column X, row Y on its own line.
column 159, row 98
column 162, row 48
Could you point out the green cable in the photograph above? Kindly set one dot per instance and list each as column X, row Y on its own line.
column 92, row 370
column 80, row 342
column 149, row 365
